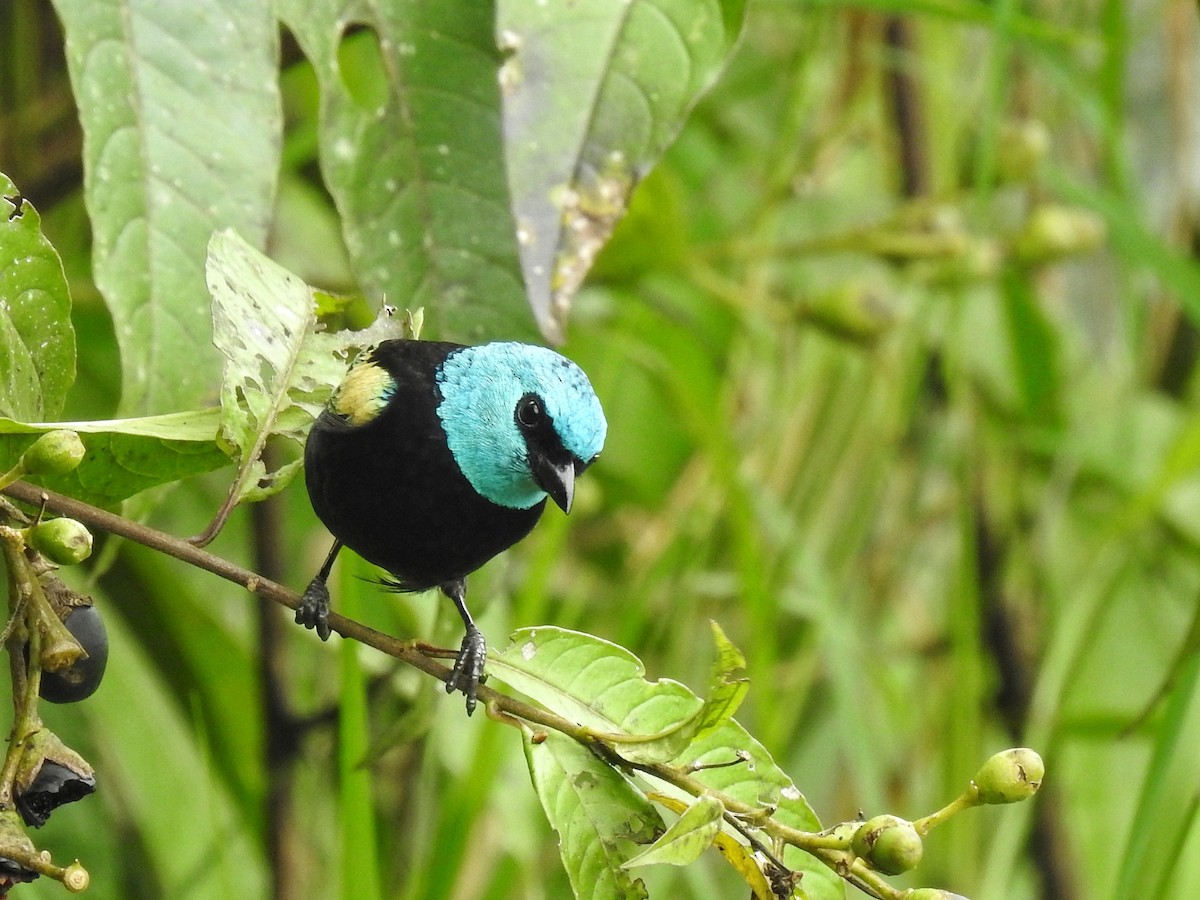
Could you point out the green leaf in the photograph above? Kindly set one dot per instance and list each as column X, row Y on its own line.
column 599, row 816
column 594, row 91
column 601, row 686
column 651, row 721
column 124, row 456
column 1035, row 353
column 689, row 836
column 37, row 342
column 279, row 373
column 181, row 117
column 200, row 660
column 741, row 857
column 760, row 782
column 726, row 688
column 411, row 151
column 360, row 875
column 261, row 314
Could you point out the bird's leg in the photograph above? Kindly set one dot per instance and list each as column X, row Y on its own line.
column 313, row 611
column 467, row 674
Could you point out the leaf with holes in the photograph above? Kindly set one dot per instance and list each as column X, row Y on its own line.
column 279, row 372
column 594, row 92
column 37, row 341
column 411, row 151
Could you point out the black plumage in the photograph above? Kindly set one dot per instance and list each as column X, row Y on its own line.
column 390, row 490
column 384, row 479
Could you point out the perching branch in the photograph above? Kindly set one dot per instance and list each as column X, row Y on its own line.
column 830, row 847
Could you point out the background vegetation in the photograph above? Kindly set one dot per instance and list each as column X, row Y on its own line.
column 898, row 349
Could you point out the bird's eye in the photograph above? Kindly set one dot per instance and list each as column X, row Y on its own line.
column 529, row 411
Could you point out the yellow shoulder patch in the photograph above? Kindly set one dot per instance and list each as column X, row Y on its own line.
column 363, row 393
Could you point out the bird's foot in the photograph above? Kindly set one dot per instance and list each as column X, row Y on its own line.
column 467, row 674
column 313, row 611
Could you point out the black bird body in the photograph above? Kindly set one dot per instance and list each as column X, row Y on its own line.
column 390, row 490
column 431, row 458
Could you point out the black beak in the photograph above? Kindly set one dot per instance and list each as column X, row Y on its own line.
column 557, row 480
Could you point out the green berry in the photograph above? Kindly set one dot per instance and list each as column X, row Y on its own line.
column 1021, row 147
column 889, row 844
column 853, row 311
column 1010, row 776
column 1053, row 232
column 54, row 453
column 64, row 541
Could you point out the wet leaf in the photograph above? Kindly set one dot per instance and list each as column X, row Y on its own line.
column 411, row 151
column 194, row 151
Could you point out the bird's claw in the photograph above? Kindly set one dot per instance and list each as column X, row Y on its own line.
column 313, row 611
column 467, row 673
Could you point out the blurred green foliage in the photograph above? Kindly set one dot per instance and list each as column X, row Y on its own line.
column 898, row 349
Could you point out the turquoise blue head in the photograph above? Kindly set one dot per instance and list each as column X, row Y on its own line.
column 521, row 422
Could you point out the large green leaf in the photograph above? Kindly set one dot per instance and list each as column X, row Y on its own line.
column 594, row 91
column 651, row 721
column 601, row 685
column 411, row 151
column 596, row 683
column 37, row 342
column 125, row 456
column 181, row 118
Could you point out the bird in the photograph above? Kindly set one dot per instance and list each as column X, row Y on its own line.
column 430, row 458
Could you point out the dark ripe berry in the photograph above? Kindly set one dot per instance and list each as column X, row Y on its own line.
column 54, row 785
column 81, row 679
column 12, row 873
